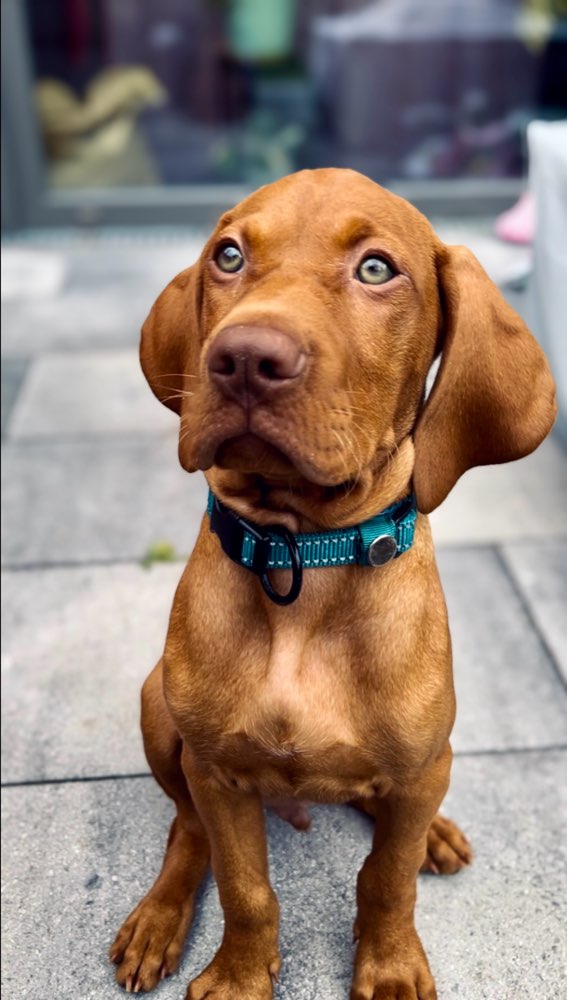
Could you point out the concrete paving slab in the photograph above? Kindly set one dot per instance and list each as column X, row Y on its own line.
column 31, row 273
column 77, row 647
column 508, row 693
column 74, row 322
column 13, row 374
column 109, row 291
column 105, row 499
column 79, row 856
column 540, row 572
column 79, row 642
column 92, row 392
column 502, row 503
column 131, row 263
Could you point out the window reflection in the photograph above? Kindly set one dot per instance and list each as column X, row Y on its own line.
column 242, row 91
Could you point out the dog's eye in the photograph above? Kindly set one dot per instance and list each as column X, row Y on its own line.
column 229, row 258
column 374, row 271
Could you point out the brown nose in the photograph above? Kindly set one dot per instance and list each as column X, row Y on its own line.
column 252, row 363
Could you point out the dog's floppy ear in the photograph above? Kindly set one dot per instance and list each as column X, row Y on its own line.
column 494, row 398
column 169, row 337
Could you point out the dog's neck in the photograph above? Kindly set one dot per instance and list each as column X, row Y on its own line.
column 303, row 507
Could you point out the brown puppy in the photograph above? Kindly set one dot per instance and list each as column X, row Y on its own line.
column 296, row 352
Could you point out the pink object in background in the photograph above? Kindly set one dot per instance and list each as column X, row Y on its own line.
column 517, row 225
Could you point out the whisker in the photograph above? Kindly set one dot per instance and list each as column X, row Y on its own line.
column 164, row 385
column 184, row 435
column 351, row 409
column 343, row 450
column 177, row 395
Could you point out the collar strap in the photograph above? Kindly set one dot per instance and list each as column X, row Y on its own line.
column 375, row 542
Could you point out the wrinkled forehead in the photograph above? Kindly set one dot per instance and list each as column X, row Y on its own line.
column 333, row 208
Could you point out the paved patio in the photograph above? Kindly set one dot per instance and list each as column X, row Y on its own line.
column 90, row 483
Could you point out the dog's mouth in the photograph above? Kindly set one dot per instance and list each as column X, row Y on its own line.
column 296, row 434
column 291, row 468
column 258, row 459
column 252, row 455
column 281, row 464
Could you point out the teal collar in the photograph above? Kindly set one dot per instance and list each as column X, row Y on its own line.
column 374, row 542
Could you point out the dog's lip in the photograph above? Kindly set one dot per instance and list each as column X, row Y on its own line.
column 231, row 421
column 247, row 447
column 301, row 467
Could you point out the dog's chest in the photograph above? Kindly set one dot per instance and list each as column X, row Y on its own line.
column 323, row 706
column 302, row 702
column 293, row 731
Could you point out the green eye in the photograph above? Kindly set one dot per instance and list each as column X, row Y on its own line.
column 229, row 258
column 374, row 271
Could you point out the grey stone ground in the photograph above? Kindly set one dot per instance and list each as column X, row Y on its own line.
column 90, row 481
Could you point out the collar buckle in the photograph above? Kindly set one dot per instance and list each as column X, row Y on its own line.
column 231, row 530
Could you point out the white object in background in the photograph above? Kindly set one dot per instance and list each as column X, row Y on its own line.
column 31, row 274
column 547, row 144
column 503, row 262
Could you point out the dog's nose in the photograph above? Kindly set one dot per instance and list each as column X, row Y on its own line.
column 250, row 363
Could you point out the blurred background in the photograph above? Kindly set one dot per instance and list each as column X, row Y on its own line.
column 155, row 102
column 128, row 126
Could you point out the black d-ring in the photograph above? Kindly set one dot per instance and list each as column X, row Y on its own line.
column 296, row 569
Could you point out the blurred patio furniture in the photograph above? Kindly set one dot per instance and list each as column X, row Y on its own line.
column 401, row 77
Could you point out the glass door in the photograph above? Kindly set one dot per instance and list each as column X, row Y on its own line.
column 136, row 110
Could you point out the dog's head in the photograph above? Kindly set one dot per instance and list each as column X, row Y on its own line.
column 297, row 348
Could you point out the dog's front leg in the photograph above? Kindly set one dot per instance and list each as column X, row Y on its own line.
column 247, row 961
column 390, row 962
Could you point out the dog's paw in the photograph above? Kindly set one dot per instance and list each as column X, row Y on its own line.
column 448, row 850
column 148, row 946
column 399, row 972
column 236, row 974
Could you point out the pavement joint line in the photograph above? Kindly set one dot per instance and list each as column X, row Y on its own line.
column 75, row 779
column 89, row 237
column 503, row 562
column 90, row 778
column 63, row 564
column 181, row 558
column 72, row 349
column 119, row 438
